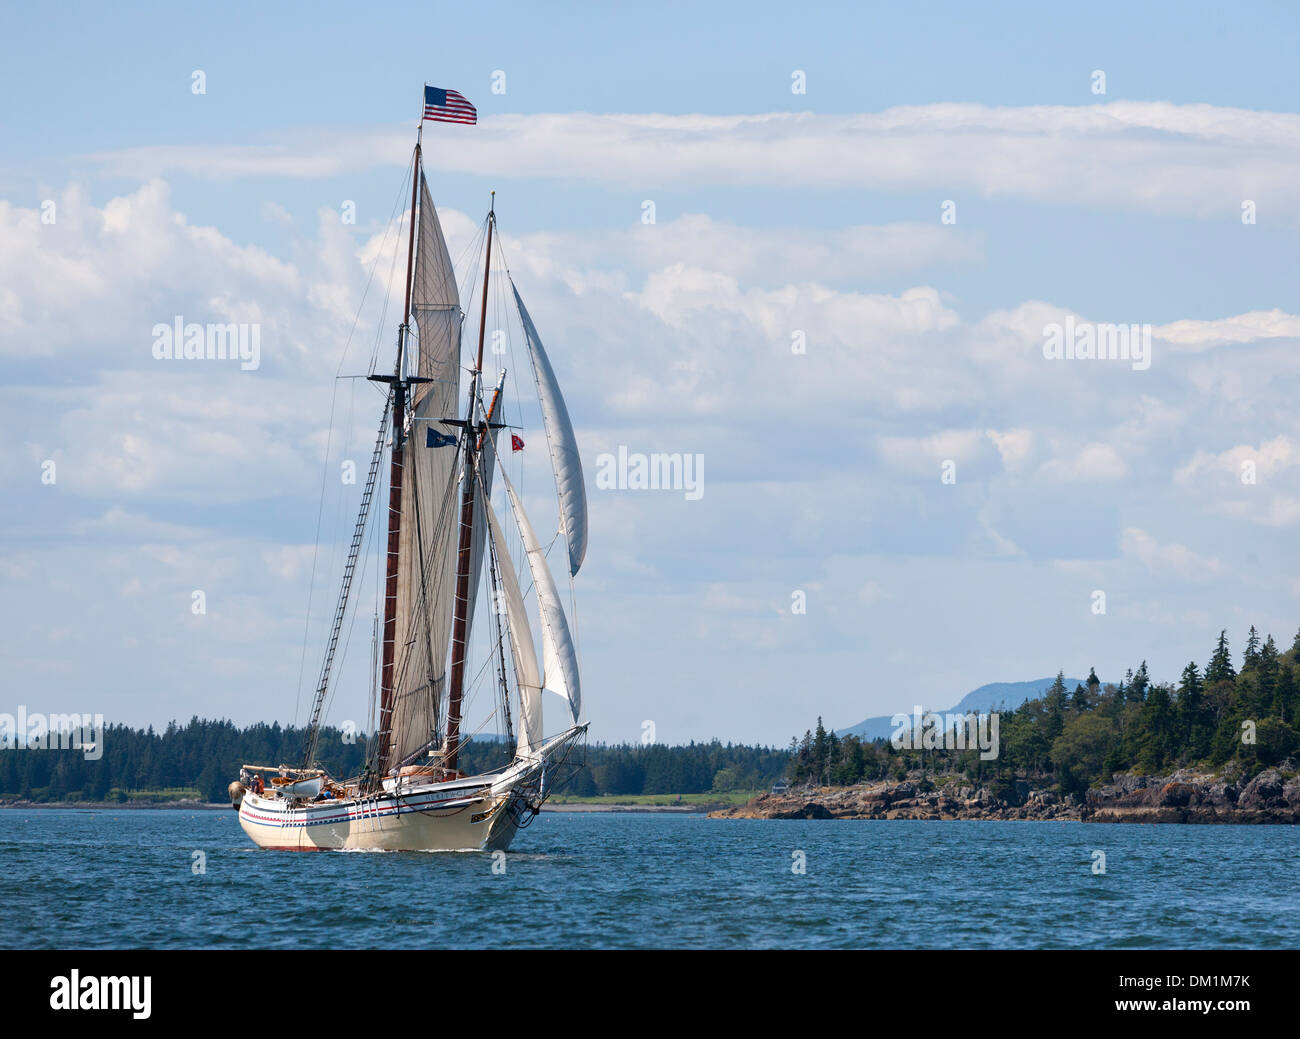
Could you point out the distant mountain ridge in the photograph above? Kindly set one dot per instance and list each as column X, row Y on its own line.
column 986, row 698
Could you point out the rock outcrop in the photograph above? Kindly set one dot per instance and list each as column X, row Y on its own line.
column 1186, row 796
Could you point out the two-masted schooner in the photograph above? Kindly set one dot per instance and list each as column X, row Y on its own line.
column 443, row 536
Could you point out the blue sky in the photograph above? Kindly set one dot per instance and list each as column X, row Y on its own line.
column 775, row 212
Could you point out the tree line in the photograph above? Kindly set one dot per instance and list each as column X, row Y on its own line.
column 205, row 755
column 1081, row 737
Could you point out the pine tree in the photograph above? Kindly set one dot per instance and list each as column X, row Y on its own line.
column 1079, row 700
column 819, row 750
column 1250, row 658
column 1138, row 686
column 1220, row 668
column 1287, row 693
column 1191, row 700
column 1267, row 669
column 1054, row 707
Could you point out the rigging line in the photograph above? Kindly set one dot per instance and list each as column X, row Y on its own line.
column 469, row 289
column 340, row 612
column 496, row 626
column 472, row 248
column 373, row 535
column 393, row 226
column 311, row 588
column 514, row 371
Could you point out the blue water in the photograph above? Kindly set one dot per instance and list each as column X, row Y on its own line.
column 96, row 879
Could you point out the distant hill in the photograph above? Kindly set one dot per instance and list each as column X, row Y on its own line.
column 981, row 700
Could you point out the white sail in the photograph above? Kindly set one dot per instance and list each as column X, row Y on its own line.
column 565, row 459
column 522, row 651
column 559, row 658
column 478, row 539
column 430, row 512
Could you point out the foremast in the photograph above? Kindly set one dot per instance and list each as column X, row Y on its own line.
column 473, row 440
column 396, row 469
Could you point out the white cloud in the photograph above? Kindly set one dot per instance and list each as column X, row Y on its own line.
column 1169, row 560
column 922, row 456
column 1095, row 462
column 1014, row 446
column 768, row 256
column 1275, row 511
column 1197, row 336
column 1128, row 153
column 1269, row 459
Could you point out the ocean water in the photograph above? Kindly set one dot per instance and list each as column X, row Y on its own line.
column 126, row 879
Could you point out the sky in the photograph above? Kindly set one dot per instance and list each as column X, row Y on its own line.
column 841, row 306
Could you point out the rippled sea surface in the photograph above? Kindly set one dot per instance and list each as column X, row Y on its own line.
column 113, row 879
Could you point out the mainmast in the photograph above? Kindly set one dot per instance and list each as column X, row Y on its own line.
column 395, row 491
column 464, row 553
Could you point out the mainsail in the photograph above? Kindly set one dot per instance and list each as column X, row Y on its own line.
column 563, row 444
column 427, row 557
column 559, row 658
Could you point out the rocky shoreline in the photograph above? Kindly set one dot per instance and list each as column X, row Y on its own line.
column 1184, row 796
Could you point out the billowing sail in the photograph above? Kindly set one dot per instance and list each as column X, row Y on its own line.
column 559, row 658
column 564, row 445
column 522, row 651
column 430, row 503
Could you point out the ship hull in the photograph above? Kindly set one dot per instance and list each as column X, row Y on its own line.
column 442, row 817
column 474, row 813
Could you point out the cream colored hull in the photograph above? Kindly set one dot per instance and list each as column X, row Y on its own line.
column 479, row 813
column 438, row 818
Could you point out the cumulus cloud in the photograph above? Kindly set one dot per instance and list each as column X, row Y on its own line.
column 672, row 338
column 1269, row 459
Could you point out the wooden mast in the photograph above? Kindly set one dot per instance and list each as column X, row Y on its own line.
column 395, row 493
column 464, row 553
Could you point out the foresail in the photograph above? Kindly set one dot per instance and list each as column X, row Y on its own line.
column 487, row 466
column 522, row 651
column 559, row 658
column 565, row 459
column 426, row 574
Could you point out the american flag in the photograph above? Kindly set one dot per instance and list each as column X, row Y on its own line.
column 448, row 106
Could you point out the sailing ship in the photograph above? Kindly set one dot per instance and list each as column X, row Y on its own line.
column 442, row 538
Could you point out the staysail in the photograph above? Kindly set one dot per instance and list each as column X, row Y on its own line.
column 426, row 577
column 487, row 465
column 559, row 658
column 522, row 651
column 565, row 459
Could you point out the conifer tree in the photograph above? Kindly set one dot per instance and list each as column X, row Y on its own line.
column 1138, row 686
column 1220, row 668
column 1250, row 658
column 1079, row 699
